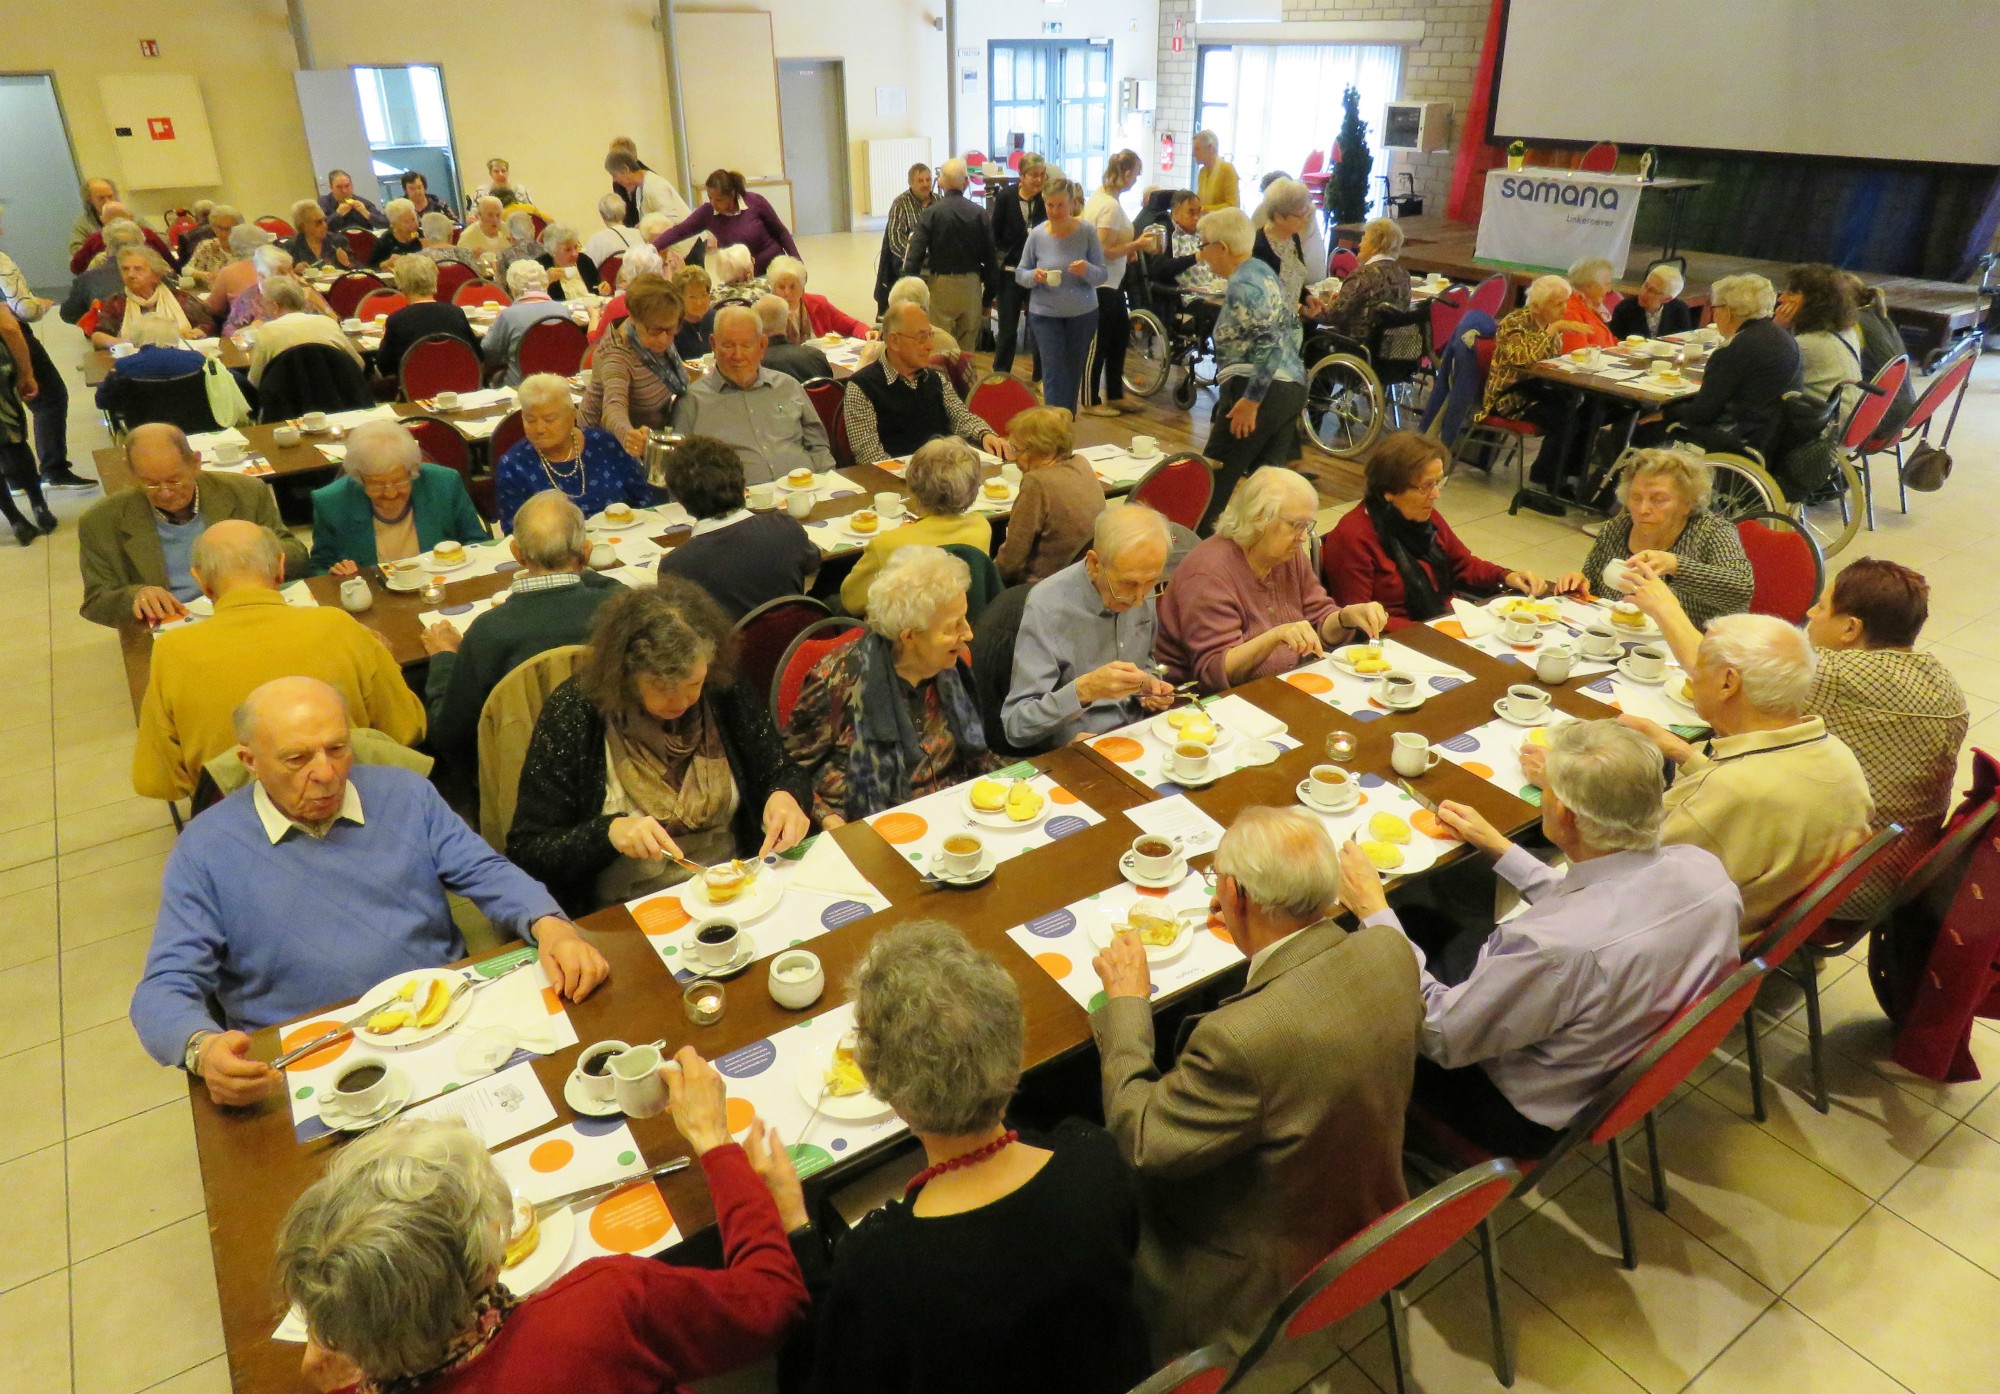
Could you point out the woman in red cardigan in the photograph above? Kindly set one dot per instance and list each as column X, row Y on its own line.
column 1397, row 550
column 812, row 315
column 394, row 1258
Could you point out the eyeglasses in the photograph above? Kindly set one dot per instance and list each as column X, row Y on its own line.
column 170, row 486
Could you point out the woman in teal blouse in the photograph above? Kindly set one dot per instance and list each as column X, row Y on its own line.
column 388, row 505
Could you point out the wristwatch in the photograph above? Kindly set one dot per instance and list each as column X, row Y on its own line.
column 191, row 1056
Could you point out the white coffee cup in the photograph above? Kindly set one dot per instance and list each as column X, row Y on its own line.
column 1600, row 641
column 1519, row 629
column 762, row 495
column 1615, row 572
column 362, row 1100
column 1189, row 760
column 447, row 401
column 1646, row 661
column 1410, row 754
column 313, row 421
column 1331, row 787
column 797, row 980
column 889, row 504
column 1011, row 472
column 228, row 452
column 598, row 1086
column 799, row 503
column 355, row 595
column 1148, row 860
column 350, row 324
column 1051, row 276
column 287, row 435
column 1526, row 703
column 961, row 851
column 1553, row 663
column 636, row 1085
column 718, row 942
column 1145, row 447
column 1399, row 689
column 123, row 349
column 603, row 556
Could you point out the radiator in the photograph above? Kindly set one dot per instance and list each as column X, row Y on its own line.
column 889, row 164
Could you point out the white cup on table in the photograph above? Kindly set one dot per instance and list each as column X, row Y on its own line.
column 228, row 452
column 1525, row 703
column 889, row 504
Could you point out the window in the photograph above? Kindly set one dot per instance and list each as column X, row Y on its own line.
column 408, row 126
column 1272, row 105
column 1054, row 96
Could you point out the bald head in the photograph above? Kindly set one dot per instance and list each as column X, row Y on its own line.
column 293, row 736
column 112, row 209
column 548, row 533
column 774, row 316
column 237, row 554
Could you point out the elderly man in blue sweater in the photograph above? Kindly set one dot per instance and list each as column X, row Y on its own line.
column 311, row 885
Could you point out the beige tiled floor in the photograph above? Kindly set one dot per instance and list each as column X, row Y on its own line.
column 1857, row 1253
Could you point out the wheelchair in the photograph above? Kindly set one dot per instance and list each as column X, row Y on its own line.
column 1169, row 330
column 1352, row 388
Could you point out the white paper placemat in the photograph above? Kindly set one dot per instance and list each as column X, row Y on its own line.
column 764, row 1080
column 1176, row 817
column 1141, row 753
column 593, row 1152
column 1062, row 946
column 1493, row 752
column 917, row 829
column 498, row 1108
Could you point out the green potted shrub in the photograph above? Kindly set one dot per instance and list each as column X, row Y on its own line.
column 1517, row 154
column 1349, row 190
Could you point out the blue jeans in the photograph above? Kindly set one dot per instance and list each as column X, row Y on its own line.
column 1064, row 342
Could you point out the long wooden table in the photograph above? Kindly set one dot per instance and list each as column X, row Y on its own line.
column 253, row 1167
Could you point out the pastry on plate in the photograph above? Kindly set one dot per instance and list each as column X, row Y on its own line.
column 843, row 1076
column 1388, row 827
column 1154, row 929
column 1386, row 856
column 526, row 1236
column 1023, row 801
column 989, row 795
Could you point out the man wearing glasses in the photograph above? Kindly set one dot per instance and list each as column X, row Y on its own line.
column 136, row 546
column 1083, row 661
column 898, row 402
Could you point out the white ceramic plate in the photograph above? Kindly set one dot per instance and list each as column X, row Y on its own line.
column 1343, row 659
column 405, row 1036
column 558, row 1230
column 756, row 899
column 990, row 818
column 1102, row 932
column 641, row 518
column 1553, row 615
column 849, row 1108
column 1171, row 737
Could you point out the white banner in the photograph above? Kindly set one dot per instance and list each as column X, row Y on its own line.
column 1547, row 219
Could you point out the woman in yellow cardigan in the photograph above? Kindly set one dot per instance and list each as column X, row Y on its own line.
column 944, row 477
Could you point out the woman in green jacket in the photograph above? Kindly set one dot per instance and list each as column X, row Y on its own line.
column 388, row 505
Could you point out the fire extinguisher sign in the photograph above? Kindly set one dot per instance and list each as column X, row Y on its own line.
column 1166, row 152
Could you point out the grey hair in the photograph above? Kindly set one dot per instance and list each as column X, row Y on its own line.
column 1259, row 500
column 611, row 208
column 938, row 1028
column 479, row 204
column 1748, row 295
column 549, row 530
column 1283, row 860
column 774, row 316
column 1229, row 226
column 786, row 266
column 1691, row 476
column 525, row 275
column 1547, row 290
column 225, row 210
column 1284, row 198
column 521, row 226
column 150, row 331
column 543, row 389
column 556, row 234
column 153, row 259
column 736, row 309
column 911, row 290
column 1591, row 269
column 398, row 208
column 730, row 264
column 1060, row 185
column 1122, row 524
column 1610, row 779
column 435, row 227
column 284, row 293
column 1387, row 232
column 202, row 207
column 301, row 208
column 1668, row 278
column 271, row 259
column 944, row 476
column 1207, row 138
column 121, row 233
column 416, row 276
column 912, row 586
column 382, row 447
column 387, row 1253
column 256, row 555
column 640, row 261
column 952, row 174
column 1773, row 659
column 246, row 238
column 652, row 225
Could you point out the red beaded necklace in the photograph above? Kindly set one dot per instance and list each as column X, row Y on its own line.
column 972, row 1158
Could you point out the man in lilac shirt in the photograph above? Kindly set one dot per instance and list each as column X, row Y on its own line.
column 1557, row 1000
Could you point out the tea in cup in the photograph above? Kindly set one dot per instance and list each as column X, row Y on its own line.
column 1410, row 754
column 1328, row 786
column 1190, row 759
column 1525, row 703
column 961, row 853
column 1519, row 629
column 1153, row 856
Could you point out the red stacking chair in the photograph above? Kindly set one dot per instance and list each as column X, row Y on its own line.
column 813, row 643
column 1178, row 488
column 540, row 223
column 1201, row 1371
column 1342, row 262
column 1447, row 309
column 452, row 275
column 1947, row 386
column 607, row 271
column 380, row 304
column 764, row 635
column 360, row 244
column 999, row 399
column 506, row 436
column 1804, row 918
column 1489, row 295
column 1315, row 177
column 1372, row 1267
column 552, row 346
column 437, row 363
column 1504, row 433
column 479, row 293
column 275, row 225
column 827, row 396
column 1601, row 158
column 345, row 295
column 1871, row 404
column 1787, row 568
column 444, row 445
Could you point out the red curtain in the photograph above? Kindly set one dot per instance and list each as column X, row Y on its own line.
column 1475, row 156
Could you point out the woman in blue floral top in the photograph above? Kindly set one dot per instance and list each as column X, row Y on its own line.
column 587, row 464
column 1256, row 418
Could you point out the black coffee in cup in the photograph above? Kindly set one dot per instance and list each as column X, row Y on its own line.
column 361, row 1077
column 713, row 934
column 1154, row 847
column 598, row 1064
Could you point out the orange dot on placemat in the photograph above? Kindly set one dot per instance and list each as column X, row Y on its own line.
column 1157, row 892
column 1450, row 628
column 325, row 1055
column 1055, row 965
column 551, row 1003
column 553, row 1155
column 1123, row 749
column 632, row 1219
column 1058, row 794
column 1310, row 682
column 739, row 1113
column 1474, row 767
column 663, row 915
column 897, row 828
column 1430, row 825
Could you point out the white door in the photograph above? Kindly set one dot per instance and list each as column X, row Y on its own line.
column 38, row 181
column 331, row 108
column 814, row 112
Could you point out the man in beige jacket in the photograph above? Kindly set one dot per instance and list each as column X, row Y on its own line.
column 1278, row 1133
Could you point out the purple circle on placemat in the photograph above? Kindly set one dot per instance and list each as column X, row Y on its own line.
column 1444, row 684
column 1509, row 658
column 752, row 1059
column 839, row 1144
column 1372, row 781
column 1168, row 789
column 843, row 912
column 599, row 1127
column 1064, row 825
column 504, row 567
column 1366, row 714
column 1603, row 684
column 455, row 609
column 1464, row 744
column 1053, row 925
column 843, row 493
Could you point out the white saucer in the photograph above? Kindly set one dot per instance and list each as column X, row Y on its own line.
column 1000, row 502
column 988, row 863
column 641, row 518
column 574, row 1096
column 1672, row 691
column 1188, row 781
column 1500, row 710
column 1173, row 878
column 1102, row 932
column 1383, row 702
column 852, row 536
column 399, row 1092
column 745, row 956
column 756, row 900
column 1312, row 807
column 1625, row 668
column 848, row 1108
column 431, row 563
column 1257, row 753
column 790, row 488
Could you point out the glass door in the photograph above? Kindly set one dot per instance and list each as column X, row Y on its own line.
column 1052, row 96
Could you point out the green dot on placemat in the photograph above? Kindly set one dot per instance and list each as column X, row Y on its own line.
column 796, row 942
column 668, row 950
column 627, row 1157
column 916, row 856
column 1097, row 1000
column 449, row 1087
column 1138, row 773
column 305, row 1092
column 1531, row 795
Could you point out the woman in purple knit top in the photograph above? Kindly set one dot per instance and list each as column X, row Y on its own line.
column 737, row 218
column 1246, row 603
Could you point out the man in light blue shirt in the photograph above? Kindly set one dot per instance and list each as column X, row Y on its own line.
column 1083, row 662
column 764, row 414
column 1562, row 997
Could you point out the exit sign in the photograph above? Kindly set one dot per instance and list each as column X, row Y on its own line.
column 149, row 48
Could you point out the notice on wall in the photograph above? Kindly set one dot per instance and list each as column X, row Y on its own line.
column 891, row 101
column 1547, row 219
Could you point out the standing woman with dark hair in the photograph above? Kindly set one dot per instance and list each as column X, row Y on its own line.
column 1818, row 308
column 735, row 217
column 1106, row 389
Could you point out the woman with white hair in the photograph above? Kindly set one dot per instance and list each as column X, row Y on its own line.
column 1281, row 221
column 147, row 294
column 1256, row 343
column 294, row 322
column 1008, row 1262
column 388, row 505
column 735, row 217
column 485, row 237
column 528, row 283
column 1380, row 285
column 213, row 251
column 1527, row 335
column 396, row 1259
column 1657, row 310
column 241, row 271
column 614, row 239
column 1247, row 603
column 404, row 237
column 312, row 243
column 913, row 290
column 1665, row 526
column 572, row 275
column 644, row 261
column 894, row 716
column 811, row 315
column 943, row 479
column 436, row 232
column 250, row 308
column 523, row 244
column 1590, row 281
column 422, row 318
column 586, row 463
column 732, row 272
column 1744, row 382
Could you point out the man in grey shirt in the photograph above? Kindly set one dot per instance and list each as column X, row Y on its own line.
column 763, row 413
column 1083, row 661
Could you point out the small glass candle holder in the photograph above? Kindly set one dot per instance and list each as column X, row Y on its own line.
column 433, row 592
column 1340, row 746
column 704, row 1002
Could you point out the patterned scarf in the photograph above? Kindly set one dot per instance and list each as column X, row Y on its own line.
column 1407, row 544
column 887, row 746
column 667, row 367
column 490, row 1311
column 677, row 771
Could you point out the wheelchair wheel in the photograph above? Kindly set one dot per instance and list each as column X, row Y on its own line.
column 1834, row 519
column 1149, row 355
column 1345, row 405
column 1184, row 388
column 1743, row 487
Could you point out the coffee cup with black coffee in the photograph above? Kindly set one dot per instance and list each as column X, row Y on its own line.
column 593, row 1068
column 718, row 942
column 361, row 1087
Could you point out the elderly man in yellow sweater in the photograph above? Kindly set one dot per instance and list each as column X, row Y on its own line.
column 201, row 673
column 1215, row 177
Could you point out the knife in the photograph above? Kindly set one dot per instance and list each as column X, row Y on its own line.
column 563, row 1202
column 299, row 1052
column 1411, row 790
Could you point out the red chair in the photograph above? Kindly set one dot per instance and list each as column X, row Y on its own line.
column 1806, row 916
column 1178, row 488
column 1503, row 433
column 1203, row 1371
column 437, row 363
column 1601, row 158
column 275, row 225
column 1342, row 262
column 345, row 295
column 506, row 436
column 480, row 293
column 540, row 223
column 452, row 275
column 442, row 443
column 1786, row 566
column 1489, row 295
column 360, row 244
column 1872, row 403
column 1373, row 1266
column 1447, row 309
column 1315, row 176
column 765, row 634
column 999, row 399
column 828, row 396
column 1948, row 386
column 552, row 346
column 380, row 304
column 607, row 270
column 813, row 643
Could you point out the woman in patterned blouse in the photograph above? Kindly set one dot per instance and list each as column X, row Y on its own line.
column 1526, row 336
column 585, row 462
column 892, row 716
column 1379, row 286
column 1666, row 525
column 1256, row 346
